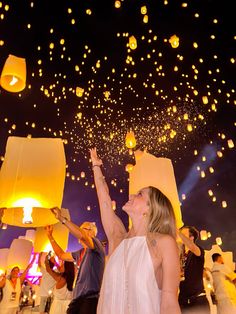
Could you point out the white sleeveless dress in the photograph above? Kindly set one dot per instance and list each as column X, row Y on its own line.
column 129, row 285
column 61, row 299
column 11, row 298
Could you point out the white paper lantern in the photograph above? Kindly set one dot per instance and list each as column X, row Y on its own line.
column 32, row 179
column 19, row 254
column 3, row 259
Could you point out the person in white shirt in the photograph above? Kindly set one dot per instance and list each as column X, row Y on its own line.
column 224, row 279
column 47, row 284
column 11, row 287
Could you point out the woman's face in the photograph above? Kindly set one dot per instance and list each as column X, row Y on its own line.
column 138, row 203
column 15, row 272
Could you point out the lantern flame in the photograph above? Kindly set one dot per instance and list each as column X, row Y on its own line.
column 13, row 81
column 27, row 203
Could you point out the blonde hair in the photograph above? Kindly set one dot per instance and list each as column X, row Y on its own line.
column 161, row 216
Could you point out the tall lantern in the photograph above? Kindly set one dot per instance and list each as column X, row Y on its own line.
column 130, row 140
column 19, row 254
column 32, row 181
column 13, row 77
column 157, row 172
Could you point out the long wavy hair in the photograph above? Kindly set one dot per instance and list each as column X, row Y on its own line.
column 69, row 274
column 161, row 216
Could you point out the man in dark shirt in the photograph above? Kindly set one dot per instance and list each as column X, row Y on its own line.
column 90, row 261
column 192, row 296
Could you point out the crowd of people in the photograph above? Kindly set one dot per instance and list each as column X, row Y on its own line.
column 153, row 268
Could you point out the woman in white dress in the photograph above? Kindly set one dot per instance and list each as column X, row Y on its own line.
column 143, row 272
column 12, row 289
column 62, row 293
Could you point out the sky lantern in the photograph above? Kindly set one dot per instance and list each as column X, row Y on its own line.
column 32, row 180
column 13, row 77
column 144, row 10
column 205, row 100
column 230, row 143
column 19, row 254
column 218, row 241
column 132, row 43
column 79, row 91
column 174, row 41
column 203, row 235
column 129, row 167
column 130, row 140
column 158, row 172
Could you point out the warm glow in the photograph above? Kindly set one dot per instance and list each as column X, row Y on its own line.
column 13, row 81
column 174, row 41
column 27, row 203
column 130, row 140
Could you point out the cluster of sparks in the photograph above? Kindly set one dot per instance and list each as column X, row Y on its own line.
column 168, row 96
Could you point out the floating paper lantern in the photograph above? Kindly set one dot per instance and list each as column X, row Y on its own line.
column 60, row 233
column 218, row 241
column 13, row 77
column 144, row 10
column 205, row 100
column 157, row 172
column 174, row 41
column 79, row 91
column 130, row 140
column 3, row 259
column 203, row 235
column 129, row 167
column 132, row 43
column 230, row 143
column 32, row 180
column 19, row 253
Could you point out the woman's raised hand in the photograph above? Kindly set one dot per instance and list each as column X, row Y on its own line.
column 96, row 161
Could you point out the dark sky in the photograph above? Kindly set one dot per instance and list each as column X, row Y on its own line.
column 155, row 90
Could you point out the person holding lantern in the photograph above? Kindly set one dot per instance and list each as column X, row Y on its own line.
column 143, row 272
column 90, row 261
column 192, row 295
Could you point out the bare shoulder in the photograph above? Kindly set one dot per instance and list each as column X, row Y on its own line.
column 163, row 241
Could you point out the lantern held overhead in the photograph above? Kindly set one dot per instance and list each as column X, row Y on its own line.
column 13, row 77
column 32, row 180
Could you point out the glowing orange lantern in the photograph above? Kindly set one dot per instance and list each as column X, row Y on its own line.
column 174, row 41
column 203, row 235
column 79, row 91
column 129, row 167
column 132, row 43
column 13, row 77
column 32, row 180
column 130, row 140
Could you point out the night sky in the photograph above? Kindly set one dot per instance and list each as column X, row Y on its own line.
column 155, row 90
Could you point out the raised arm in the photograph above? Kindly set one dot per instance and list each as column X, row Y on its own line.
column 170, row 276
column 73, row 228
column 23, row 275
column 190, row 244
column 112, row 224
column 65, row 256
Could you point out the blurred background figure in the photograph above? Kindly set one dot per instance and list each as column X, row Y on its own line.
column 192, row 295
column 12, row 289
column 47, row 282
column 62, row 292
column 224, row 280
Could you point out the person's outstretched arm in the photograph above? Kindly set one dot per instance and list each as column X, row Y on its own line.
column 23, row 275
column 190, row 244
column 73, row 228
column 65, row 256
column 112, row 224
column 170, row 276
